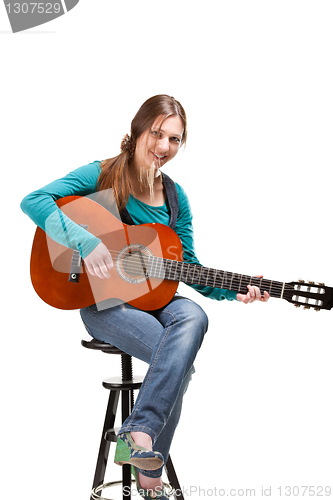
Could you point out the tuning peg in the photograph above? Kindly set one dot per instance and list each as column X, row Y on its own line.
column 317, row 309
column 306, row 307
column 297, row 305
column 301, row 281
column 321, row 284
column 311, row 282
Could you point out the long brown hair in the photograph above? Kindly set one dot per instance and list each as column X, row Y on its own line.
column 115, row 172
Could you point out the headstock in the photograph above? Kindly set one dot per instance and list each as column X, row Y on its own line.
column 309, row 295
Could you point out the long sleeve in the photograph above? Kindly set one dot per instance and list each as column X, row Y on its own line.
column 184, row 229
column 41, row 207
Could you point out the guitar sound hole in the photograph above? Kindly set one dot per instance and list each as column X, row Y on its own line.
column 132, row 263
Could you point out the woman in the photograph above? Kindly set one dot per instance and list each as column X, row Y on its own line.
column 169, row 338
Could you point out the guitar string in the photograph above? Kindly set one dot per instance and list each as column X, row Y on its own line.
column 275, row 287
column 136, row 267
column 236, row 278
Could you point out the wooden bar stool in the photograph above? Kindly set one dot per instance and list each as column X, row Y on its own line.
column 126, row 385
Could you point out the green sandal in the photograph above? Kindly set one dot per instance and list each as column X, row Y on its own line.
column 128, row 452
column 145, row 494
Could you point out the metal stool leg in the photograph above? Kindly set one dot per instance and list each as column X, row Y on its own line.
column 104, row 448
column 127, row 403
column 173, row 480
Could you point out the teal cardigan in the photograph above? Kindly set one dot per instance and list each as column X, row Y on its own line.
column 40, row 206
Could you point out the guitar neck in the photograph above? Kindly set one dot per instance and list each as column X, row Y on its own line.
column 205, row 276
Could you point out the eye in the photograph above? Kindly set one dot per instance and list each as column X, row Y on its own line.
column 176, row 139
column 155, row 133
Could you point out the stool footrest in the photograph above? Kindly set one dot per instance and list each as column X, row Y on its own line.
column 111, row 434
column 96, row 492
column 122, row 385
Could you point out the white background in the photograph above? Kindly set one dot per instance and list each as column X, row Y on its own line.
column 256, row 79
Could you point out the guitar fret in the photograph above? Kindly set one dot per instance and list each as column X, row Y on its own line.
column 223, row 279
column 153, row 267
column 236, row 279
column 245, row 281
column 226, row 280
column 277, row 287
column 214, row 277
column 178, row 271
column 188, row 267
column 266, row 285
column 173, row 267
column 169, row 269
column 240, row 282
column 202, row 278
column 183, row 274
column 150, row 266
column 204, row 274
column 166, row 269
column 228, row 284
column 219, row 279
column 194, row 274
column 282, row 291
column 191, row 274
column 161, row 268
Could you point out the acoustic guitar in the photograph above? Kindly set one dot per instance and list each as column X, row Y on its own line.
column 148, row 266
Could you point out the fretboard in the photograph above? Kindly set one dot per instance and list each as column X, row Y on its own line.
column 205, row 276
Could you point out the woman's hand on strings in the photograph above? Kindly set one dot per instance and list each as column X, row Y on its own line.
column 252, row 295
column 99, row 261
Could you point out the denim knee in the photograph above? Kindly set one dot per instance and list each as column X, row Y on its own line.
column 198, row 322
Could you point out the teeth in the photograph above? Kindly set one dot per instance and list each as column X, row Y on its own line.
column 159, row 156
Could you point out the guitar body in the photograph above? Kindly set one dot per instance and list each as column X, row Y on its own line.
column 130, row 246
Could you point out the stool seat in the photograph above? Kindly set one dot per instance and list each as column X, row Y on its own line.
column 98, row 345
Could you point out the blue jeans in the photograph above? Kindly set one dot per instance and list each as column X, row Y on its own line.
column 168, row 339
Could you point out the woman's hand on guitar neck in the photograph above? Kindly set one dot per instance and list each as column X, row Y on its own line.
column 99, row 261
column 252, row 295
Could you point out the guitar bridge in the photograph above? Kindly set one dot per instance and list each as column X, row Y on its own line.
column 76, row 264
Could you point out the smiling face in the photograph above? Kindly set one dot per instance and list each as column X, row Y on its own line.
column 159, row 144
